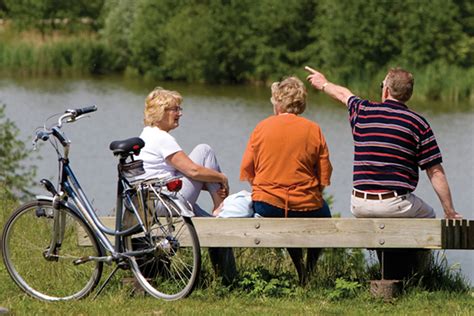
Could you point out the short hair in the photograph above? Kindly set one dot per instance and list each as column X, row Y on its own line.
column 290, row 95
column 157, row 102
column 400, row 83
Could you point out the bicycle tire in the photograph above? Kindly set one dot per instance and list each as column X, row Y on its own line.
column 172, row 270
column 26, row 238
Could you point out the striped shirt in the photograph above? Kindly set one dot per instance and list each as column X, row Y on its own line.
column 390, row 143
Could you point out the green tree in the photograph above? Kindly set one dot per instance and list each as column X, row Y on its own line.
column 232, row 41
column 281, row 37
column 118, row 16
column 353, row 38
column 428, row 33
column 188, row 37
column 15, row 178
column 3, row 9
column 147, row 39
column 47, row 15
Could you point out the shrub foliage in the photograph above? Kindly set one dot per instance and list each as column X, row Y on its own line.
column 235, row 41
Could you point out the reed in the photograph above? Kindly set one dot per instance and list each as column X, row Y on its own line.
column 447, row 83
column 87, row 54
column 72, row 56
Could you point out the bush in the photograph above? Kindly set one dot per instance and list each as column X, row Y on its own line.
column 344, row 289
column 15, row 177
column 260, row 282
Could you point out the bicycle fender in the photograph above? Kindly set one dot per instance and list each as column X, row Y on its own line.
column 73, row 208
column 63, row 203
column 183, row 206
column 44, row 198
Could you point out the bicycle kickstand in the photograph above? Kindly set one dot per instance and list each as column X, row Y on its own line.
column 106, row 281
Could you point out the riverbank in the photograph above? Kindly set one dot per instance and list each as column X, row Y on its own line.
column 30, row 54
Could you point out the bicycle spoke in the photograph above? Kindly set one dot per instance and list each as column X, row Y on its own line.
column 172, row 270
column 25, row 242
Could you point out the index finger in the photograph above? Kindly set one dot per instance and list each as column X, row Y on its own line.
column 309, row 69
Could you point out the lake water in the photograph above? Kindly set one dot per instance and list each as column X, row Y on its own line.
column 223, row 117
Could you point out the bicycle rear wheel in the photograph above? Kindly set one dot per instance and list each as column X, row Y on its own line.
column 171, row 271
column 44, row 274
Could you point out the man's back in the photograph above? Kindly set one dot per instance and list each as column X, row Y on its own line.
column 390, row 143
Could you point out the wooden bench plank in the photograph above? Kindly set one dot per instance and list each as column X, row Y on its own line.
column 320, row 233
column 330, row 233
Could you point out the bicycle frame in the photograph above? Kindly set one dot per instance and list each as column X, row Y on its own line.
column 71, row 188
column 152, row 219
column 82, row 206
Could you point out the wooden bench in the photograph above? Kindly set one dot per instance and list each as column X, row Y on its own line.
column 377, row 233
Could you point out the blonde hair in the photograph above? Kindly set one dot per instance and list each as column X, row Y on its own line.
column 290, row 95
column 400, row 83
column 157, row 102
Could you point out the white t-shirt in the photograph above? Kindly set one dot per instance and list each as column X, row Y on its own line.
column 158, row 145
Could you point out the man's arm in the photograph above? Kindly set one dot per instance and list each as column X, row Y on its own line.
column 319, row 81
column 440, row 184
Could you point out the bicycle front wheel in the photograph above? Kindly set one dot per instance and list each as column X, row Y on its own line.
column 171, row 271
column 41, row 249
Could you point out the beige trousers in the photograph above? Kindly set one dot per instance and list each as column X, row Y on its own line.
column 407, row 205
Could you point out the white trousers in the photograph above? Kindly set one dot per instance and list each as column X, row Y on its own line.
column 407, row 205
column 205, row 156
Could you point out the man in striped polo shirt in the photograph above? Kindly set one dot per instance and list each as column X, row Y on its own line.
column 390, row 143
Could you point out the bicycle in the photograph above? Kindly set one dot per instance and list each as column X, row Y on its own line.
column 154, row 235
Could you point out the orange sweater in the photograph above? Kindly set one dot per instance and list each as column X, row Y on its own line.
column 287, row 163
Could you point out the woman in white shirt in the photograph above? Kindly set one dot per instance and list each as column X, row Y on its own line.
column 163, row 157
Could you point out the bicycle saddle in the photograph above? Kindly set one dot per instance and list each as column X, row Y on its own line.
column 127, row 146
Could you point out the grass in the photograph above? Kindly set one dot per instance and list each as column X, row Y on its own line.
column 118, row 299
column 267, row 285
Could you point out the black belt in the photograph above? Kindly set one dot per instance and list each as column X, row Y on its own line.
column 376, row 196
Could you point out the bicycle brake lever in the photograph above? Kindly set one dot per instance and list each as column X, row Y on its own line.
column 44, row 136
column 35, row 143
column 80, row 117
column 77, row 118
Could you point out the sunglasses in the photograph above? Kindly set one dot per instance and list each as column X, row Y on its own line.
column 381, row 85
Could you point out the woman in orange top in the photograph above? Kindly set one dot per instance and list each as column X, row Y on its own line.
column 287, row 163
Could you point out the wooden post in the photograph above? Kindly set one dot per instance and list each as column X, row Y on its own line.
column 397, row 265
column 385, row 289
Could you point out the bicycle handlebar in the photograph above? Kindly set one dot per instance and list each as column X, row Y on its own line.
column 82, row 111
column 69, row 116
